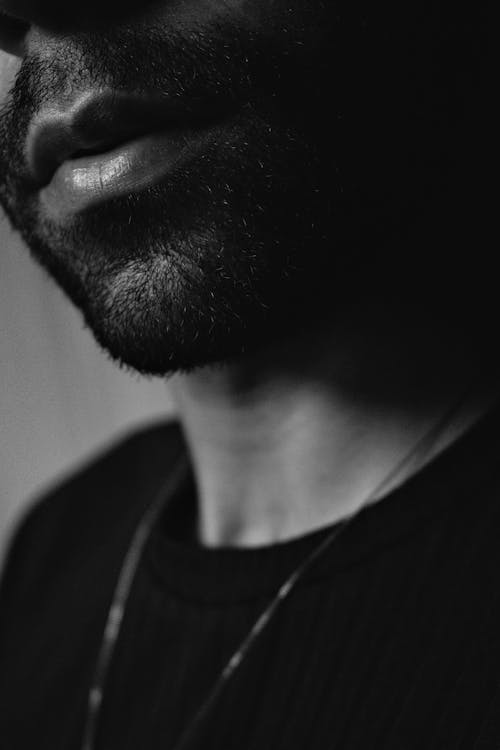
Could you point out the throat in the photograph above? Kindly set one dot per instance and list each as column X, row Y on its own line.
column 279, row 456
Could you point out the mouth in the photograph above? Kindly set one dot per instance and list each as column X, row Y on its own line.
column 108, row 144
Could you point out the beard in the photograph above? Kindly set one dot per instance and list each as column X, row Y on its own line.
column 199, row 267
column 255, row 236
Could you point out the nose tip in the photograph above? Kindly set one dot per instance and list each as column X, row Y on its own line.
column 28, row 11
column 12, row 33
column 61, row 15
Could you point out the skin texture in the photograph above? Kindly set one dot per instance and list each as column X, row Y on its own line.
column 304, row 269
column 324, row 161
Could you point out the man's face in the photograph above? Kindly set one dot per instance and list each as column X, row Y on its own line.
column 273, row 138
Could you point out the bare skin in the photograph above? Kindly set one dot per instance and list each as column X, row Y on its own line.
column 282, row 450
column 305, row 431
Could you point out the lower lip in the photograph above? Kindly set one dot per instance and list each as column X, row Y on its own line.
column 134, row 166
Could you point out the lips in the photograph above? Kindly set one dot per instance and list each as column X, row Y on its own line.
column 109, row 144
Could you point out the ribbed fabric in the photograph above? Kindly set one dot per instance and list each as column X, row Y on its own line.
column 391, row 641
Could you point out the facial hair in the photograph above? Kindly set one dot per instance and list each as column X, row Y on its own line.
column 257, row 236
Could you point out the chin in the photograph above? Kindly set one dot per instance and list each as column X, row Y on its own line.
column 205, row 266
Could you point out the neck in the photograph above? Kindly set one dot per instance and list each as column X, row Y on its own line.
column 287, row 441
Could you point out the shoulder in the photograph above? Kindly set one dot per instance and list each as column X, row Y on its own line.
column 91, row 513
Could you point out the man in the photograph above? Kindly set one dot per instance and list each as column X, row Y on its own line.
column 284, row 207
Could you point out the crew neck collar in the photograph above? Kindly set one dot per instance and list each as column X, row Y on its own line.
column 228, row 574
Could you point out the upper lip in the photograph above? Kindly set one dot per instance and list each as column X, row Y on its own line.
column 98, row 121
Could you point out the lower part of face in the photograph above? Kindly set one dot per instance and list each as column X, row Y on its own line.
column 318, row 161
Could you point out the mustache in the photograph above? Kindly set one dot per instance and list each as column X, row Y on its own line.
column 219, row 64
column 229, row 65
column 223, row 60
column 128, row 61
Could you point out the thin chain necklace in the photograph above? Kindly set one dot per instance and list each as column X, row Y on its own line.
column 133, row 557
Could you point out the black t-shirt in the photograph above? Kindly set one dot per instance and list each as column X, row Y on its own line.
column 391, row 641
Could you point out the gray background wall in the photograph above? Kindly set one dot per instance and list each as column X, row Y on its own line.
column 61, row 398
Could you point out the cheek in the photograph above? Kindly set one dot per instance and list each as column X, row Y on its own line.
column 199, row 15
column 282, row 24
